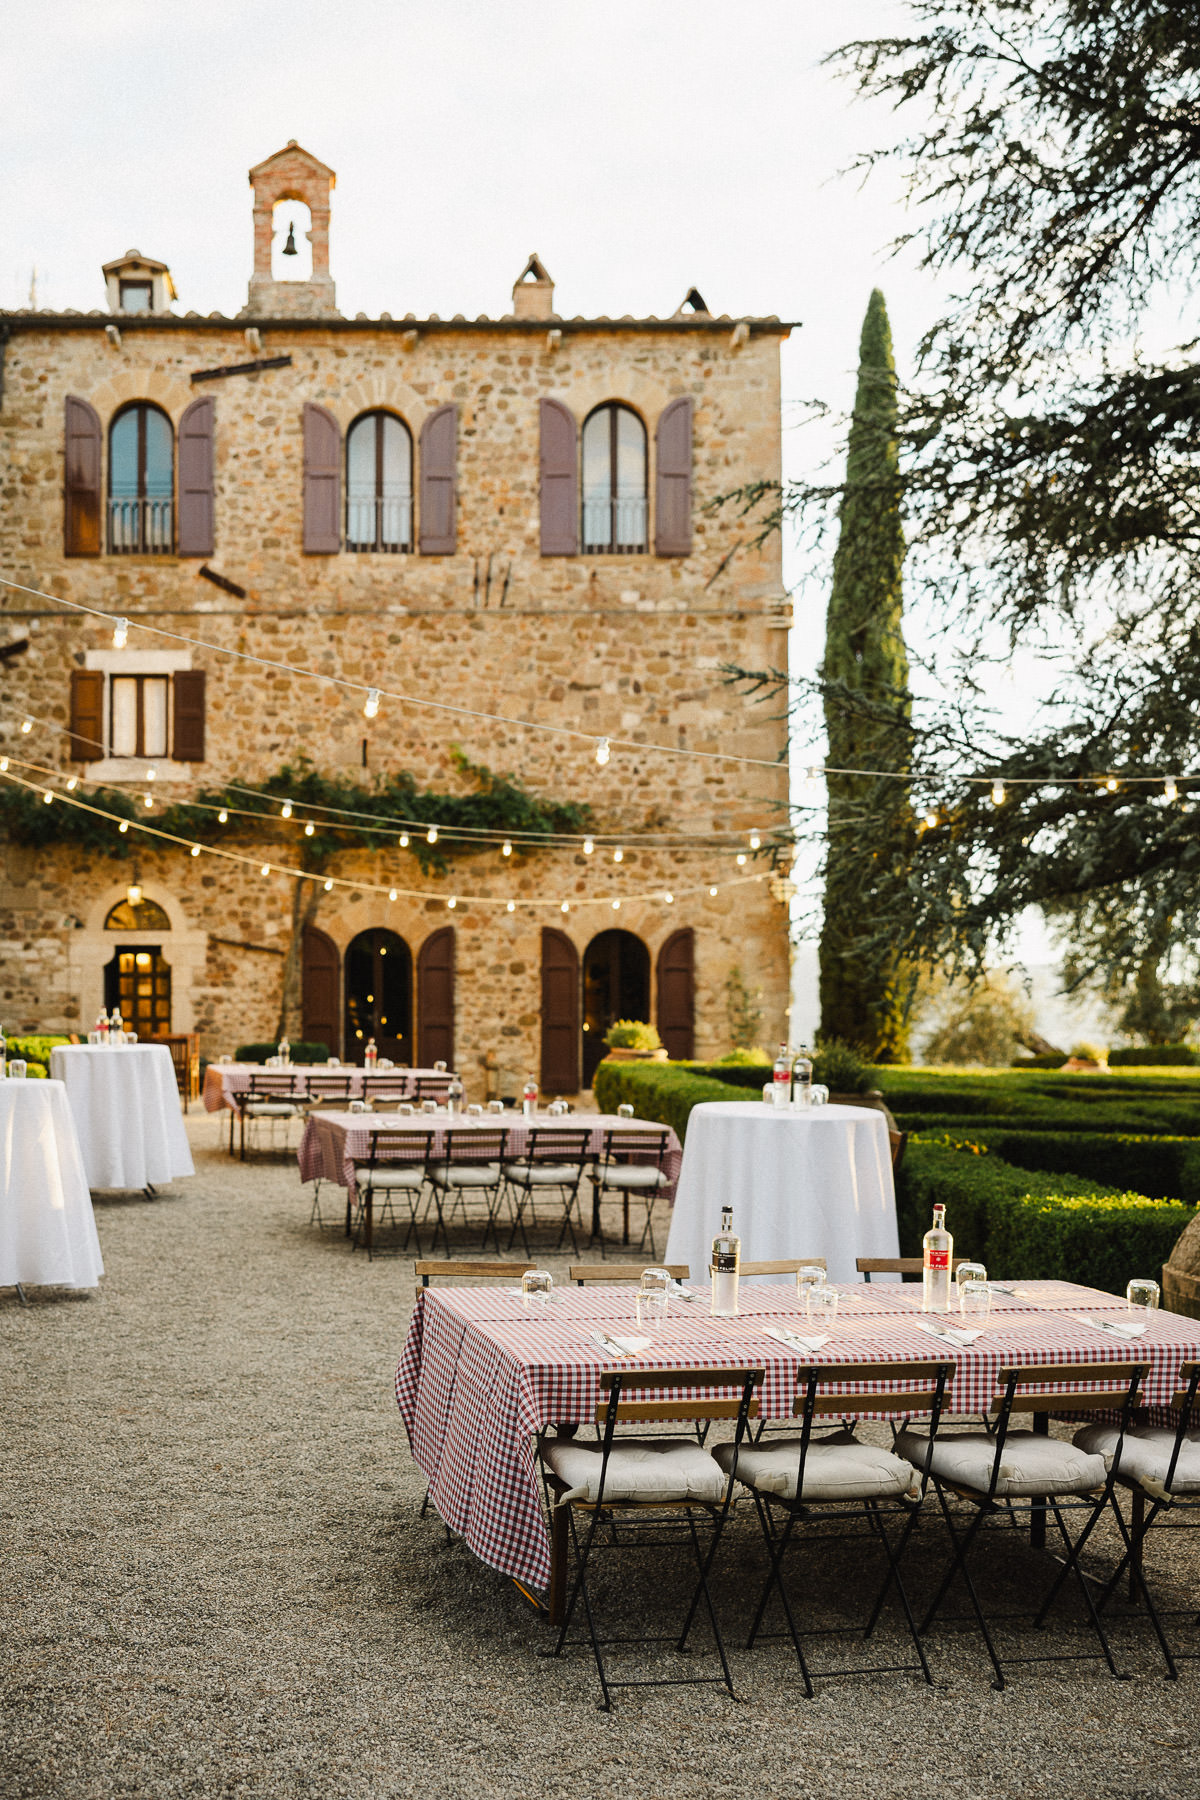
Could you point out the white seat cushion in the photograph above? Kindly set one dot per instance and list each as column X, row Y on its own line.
column 412, row 1177
column 545, row 1174
column 1146, row 1455
column 633, row 1175
column 638, row 1469
column 1029, row 1464
column 464, row 1174
column 271, row 1109
column 836, row 1468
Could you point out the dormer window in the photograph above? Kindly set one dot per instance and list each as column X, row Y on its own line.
column 136, row 296
column 138, row 284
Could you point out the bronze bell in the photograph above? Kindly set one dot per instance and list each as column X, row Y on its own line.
column 289, row 249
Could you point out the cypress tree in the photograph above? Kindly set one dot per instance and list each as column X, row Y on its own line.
column 864, row 681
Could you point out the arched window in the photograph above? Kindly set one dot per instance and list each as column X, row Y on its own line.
column 614, row 480
column 141, row 482
column 379, row 463
column 146, row 915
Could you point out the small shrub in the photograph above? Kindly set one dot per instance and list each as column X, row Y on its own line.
column 841, row 1069
column 632, row 1034
column 1084, row 1052
column 1152, row 1056
column 756, row 1058
column 300, row 1052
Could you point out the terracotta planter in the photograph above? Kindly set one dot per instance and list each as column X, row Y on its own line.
column 620, row 1054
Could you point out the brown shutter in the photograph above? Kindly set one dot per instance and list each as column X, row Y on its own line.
column 322, row 482
column 439, row 452
column 560, row 1014
column 196, row 479
column 319, row 990
column 87, row 716
column 558, row 479
column 677, row 995
column 435, row 999
column 673, row 480
column 187, row 743
column 81, row 480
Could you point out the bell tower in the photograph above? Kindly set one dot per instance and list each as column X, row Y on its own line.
column 291, row 174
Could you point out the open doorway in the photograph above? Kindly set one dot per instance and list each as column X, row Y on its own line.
column 379, row 996
column 616, row 985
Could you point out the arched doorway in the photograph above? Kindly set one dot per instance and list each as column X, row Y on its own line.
column 379, row 995
column 319, row 991
column 616, row 985
column 137, row 979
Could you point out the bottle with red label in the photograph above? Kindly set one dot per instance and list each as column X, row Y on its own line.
column 529, row 1098
column 937, row 1257
column 781, row 1077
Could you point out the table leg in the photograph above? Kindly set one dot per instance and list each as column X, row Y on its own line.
column 557, row 1601
column 1037, row 1509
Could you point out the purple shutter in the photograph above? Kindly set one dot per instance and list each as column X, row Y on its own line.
column 187, row 738
column 196, row 478
column 322, row 482
column 558, row 479
column 673, row 480
column 439, row 451
column 81, row 479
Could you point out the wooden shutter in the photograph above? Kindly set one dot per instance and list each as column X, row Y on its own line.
column 187, row 736
column 560, row 1014
column 435, row 999
column 81, row 479
column 319, row 990
column 677, row 995
column 439, row 454
column 322, row 482
column 196, row 479
column 558, row 485
column 87, row 716
column 673, row 480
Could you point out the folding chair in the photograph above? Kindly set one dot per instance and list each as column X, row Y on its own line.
column 396, row 1165
column 552, row 1159
column 428, row 1087
column 1159, row 1467
column 808, row 1481
column 472, row 1162
column 1004, row 1473
column 323, row 1091
column 269, row 1098
column 655, row 1485
column 582, row 1273
column 788, row 1266
column 894, row 1265
column 631, row 1165
column 388, row 1089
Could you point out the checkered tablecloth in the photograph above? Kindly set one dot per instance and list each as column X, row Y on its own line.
column 334, row 1142
column 480, row 1377
column 223, row 1080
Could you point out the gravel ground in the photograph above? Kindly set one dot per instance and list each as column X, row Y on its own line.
column 216, row 1581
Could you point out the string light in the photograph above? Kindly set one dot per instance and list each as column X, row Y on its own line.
column 195, row 849
column 741, row 859
column 997, row 793
column 511, row 906
column 712, row 893
column 930, row 820
column 329, row 887
column 755, row 840
column 222, row 817
column 506, row 849
column 120, row 634
column 47, row 796
column 603, row 751
column 147, row 799
column 616, row 905
column 669, row 899
column 588, row 846
column 565, row 907
column 27, row 727
column 452, row 903
column 391, row 893
column 123, row 827
column 431, row 835
column 1170, row 790
column 811, row 784
column 404, row 840
column 285, row 811
column 72, row 783
column 266, row 869
column 618, row 856
column 309, row 829
column 1111, row 784
column 372, row 703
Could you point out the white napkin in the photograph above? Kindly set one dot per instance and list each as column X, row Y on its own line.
column 1111, row 1325
column 793, row 1340
column 954, row 1334
column 684, row 1293
column 623, row 1346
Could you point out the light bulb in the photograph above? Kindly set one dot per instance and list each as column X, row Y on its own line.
column 72, row 784
column 741, row 860
column 1111, row 784
column 565, row 907
column 431, row 835
column 123, row 826
column 603, row 751
column 404, row 840
column 1170, row 790
column 133, row 893
column 669, row 899
column 147, row 799
column 195, row 849
column 755, row 840
column 618, row 856
column 47, row 796
column 588, row 846
column 997, row 793
column 120, row 633
column 151, row 773
column 372, row 703
column 930, row 820
column 222, row 817
column 309, row 829
column 266, row 869
column 452, row 903
column 712, row 892
column 27, row 726
column 285, row 811
column 3, row 764
column 511, row 906
column 507, row 848
column 392, row 894
column 811, row 784
column 329, row 887
column 616, row 906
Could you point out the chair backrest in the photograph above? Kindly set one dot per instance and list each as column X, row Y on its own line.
column 550, row 1143
column 892, row 1387
column 428, row 1087
column 686, row 1385
column 634, row 1146
column 893, row 1265
column 1077, row 1387
column 475, row 1144
column 1184, row 1403
column 276, row 1086
column 392, row 1084
column 484, row 1271
column 580, row 1273
column 788, row 1266
column 400, row 1146
column 330, row 1087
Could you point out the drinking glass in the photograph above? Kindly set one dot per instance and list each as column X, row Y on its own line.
column 131, row 1037
column 821, row 1304
column 625, row 1112
column 1141, row 1295
column 974, row 1299
column 818, row 1094
column 651, row 1308
column 331, row 1062
column 17, row 1068
column 537, row 1286
column 769, row 1093
column 220, row 1059
column 439, row 1068
column 94, row 1038
column 475, row 1112
column 808, row 1275
column 407, row 1108
column 358, row 1106
column 495, row 1106
column 429, row 1106
column 969, row 1271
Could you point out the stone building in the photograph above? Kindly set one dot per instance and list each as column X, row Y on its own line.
column 505, row 515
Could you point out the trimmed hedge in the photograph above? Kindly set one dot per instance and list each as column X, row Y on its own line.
column 1155, row 1056
column 663, row 1091
column 301, row 1053
column 1027, row 1225
column 1167, row 1167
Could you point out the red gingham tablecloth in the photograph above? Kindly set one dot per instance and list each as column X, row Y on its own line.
column 480, row 1376
column 223, row 1080
column 334, row 1142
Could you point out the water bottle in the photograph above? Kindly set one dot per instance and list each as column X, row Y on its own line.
column 455, row 1095
column 782, row 1077
column 102, row 1026
column 371, row 1055
column 285, row 1053
column 529, row 1097
column 116, row 1029
column 937, row 1261
column 802, row 1074
column 726, row 1266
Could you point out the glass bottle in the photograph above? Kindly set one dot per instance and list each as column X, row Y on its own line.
column 726, row 1261
column 802, row 1074
column 782, row 1077
column 102, row 1026
column 285, row 1053
column 937, row 1248
column 116, row 1028
column 529, row 1097
column 371, row 1054
column 455, row 1095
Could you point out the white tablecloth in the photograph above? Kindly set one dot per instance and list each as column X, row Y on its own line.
column 125, row 1103
column 811, row 1183
column 47, row 1229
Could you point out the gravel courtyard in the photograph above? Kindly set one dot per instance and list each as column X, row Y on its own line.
column 216, row 1580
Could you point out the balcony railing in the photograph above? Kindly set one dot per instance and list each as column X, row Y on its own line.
column 614, row 525
column 374, row 524
column 141, row 527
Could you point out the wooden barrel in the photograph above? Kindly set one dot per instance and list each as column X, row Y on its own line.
column 1181, row 1273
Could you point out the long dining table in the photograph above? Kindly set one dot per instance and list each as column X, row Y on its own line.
column 223, row 1082
column 481, row 1376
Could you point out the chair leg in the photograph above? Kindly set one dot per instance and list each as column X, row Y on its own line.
column 777, row 1543
column 893, row 1554
column 962, row 1546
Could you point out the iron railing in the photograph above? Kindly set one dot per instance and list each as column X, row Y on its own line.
column 141, row 527
column 613, row 525
column 379, row 524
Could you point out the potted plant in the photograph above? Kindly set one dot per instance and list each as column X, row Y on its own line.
column 632, row 1040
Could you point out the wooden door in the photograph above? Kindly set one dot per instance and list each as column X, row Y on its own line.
column 319, row 991
column 435, row 999
column 677, row 995
column 560, row 1014
column 138, row 980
